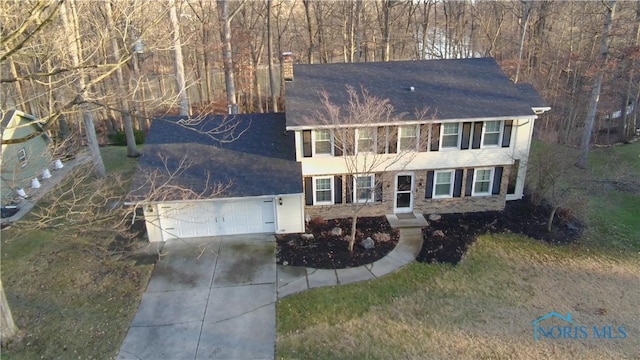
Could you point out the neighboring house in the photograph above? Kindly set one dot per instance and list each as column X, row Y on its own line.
column 25, row 152
column 477, row 130
column 280, row 171
column 191, row 184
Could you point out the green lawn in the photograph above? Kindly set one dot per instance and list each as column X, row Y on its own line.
column 69, row 300
column 483, row 307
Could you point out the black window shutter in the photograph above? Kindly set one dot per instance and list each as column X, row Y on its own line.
column 349, row 141
column 429, row 191
column 393, row 140
column 457, row 183
column 306, row 143
column 338, row 142
column 477, row 135
column 381, row 140
column 378, row 194
column 497, row 180
column 349, row 180
column 435, row 137
column 469, row 185
column 337, row 191
column 506, row 134
column 424, row 138
column 308, row 190
column 466, row 135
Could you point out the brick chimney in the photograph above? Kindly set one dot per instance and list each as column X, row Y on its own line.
column 287, row 66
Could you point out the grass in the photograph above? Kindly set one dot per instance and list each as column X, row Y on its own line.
column 68, row 302
column 483, row 307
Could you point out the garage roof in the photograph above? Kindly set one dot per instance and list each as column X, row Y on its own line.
column 248, row 154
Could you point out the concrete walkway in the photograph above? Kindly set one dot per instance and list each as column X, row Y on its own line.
column 294, row 279
column 208, row 298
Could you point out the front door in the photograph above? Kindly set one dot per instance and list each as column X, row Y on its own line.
column 404, row 193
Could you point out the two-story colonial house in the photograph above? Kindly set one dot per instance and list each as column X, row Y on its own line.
column 468, row 152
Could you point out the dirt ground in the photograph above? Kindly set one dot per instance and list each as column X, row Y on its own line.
column 327, row 251
column 445, row 240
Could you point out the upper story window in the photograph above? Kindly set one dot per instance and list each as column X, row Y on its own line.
column 323, row 190
column 491, row 133
column 322, row 142
column 364, row 185
column 450, row 135
column 22, row 157
column 443, row 184
column 482, row 180
column 407, row 138
column 366, row 139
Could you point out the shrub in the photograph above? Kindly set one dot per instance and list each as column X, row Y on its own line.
column 120, row 139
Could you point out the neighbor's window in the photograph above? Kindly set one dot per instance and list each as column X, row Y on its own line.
column 22, row 157
column 491, row 133
column 322, row 142
column 323, row 190
column 366, row 139
column 364, row 188
column 450, row 135
column 482, row 181
column 442, row 186
column 407, row 137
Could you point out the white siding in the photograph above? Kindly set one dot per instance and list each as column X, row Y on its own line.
column 152, row 221
column 290, row 215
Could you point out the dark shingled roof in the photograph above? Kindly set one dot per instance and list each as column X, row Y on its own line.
column 531, row 95
column 261, row 161
column 450, row 89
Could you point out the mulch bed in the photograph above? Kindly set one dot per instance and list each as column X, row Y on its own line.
column 328, row 251
column 445, row 240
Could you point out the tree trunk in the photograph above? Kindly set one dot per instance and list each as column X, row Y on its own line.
column 70, row 23
column 307, row 13
column 585, row 144
column 8, row 329
column 352, row 240
column 178, row 59
column 132, row 151
column 551, row 216
column 227, row 54
column 272, row 80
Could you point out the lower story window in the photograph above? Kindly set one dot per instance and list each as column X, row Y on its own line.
column 364, row 188
column 323, row 190
column 443, row 184
column 482, row 181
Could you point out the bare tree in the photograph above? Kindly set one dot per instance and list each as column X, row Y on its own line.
column 70, row 21
column 9, row 331
column 585, row 144
column 356, row 126
column 178, row 60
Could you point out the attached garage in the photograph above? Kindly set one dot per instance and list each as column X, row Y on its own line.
column 249, row 185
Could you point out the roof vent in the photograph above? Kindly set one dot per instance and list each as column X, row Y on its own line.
column 412, row 89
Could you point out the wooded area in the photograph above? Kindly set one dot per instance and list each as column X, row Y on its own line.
column 139, row 59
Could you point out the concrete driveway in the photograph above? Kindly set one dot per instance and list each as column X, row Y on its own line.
column 208, row 298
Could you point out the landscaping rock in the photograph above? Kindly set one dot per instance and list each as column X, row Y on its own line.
column 336, row 231
column 435, row 217
column 368, row 243
column 438, row 233
column 307, row 236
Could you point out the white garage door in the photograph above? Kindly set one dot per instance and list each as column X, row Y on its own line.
column 217, row 217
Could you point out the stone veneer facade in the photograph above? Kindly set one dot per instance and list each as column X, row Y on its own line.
column 420, row 203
